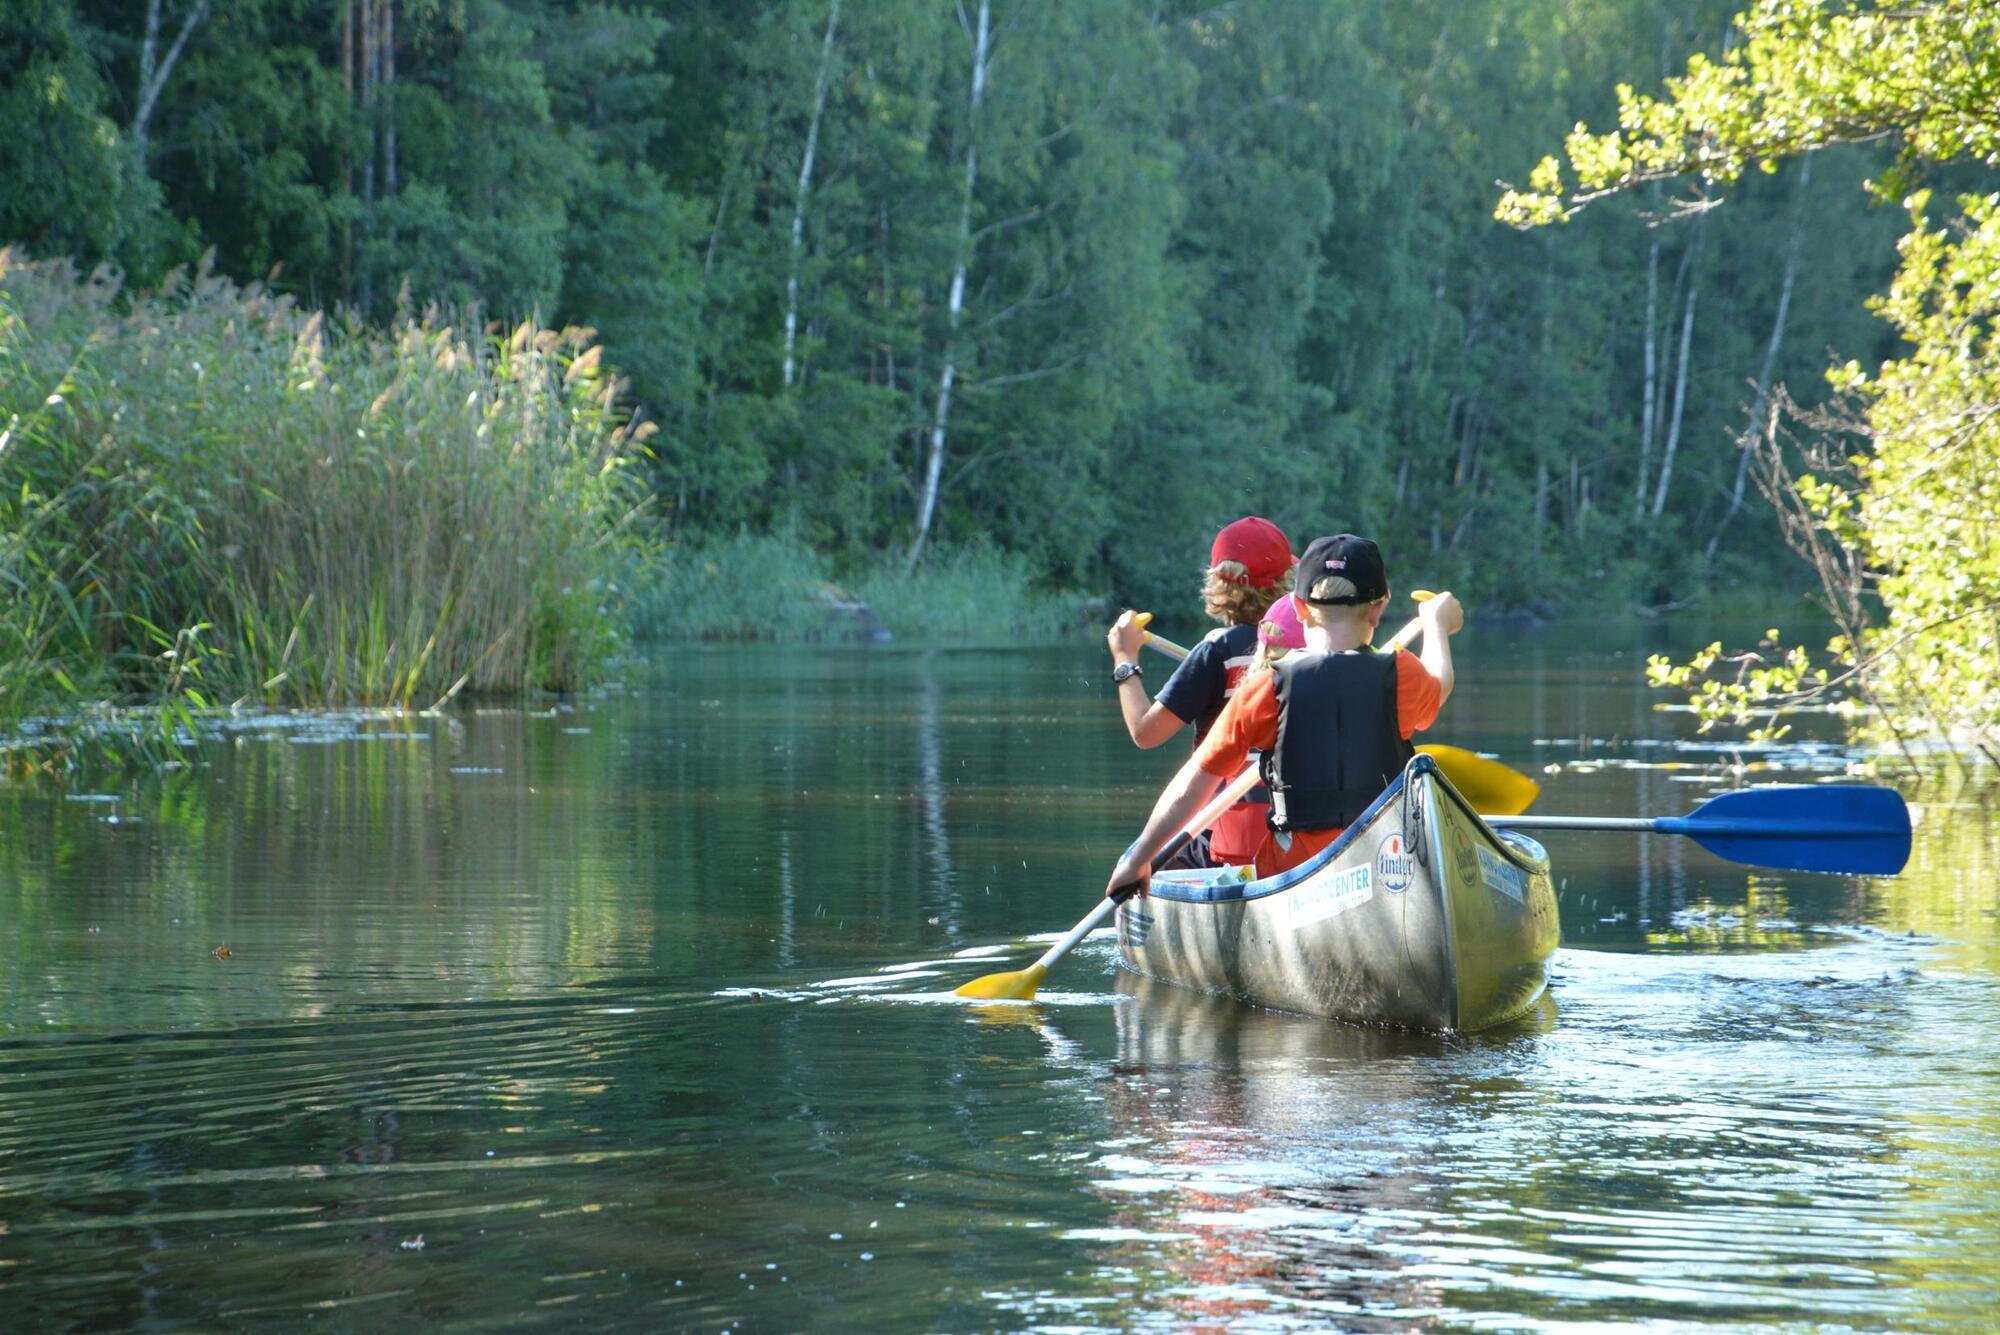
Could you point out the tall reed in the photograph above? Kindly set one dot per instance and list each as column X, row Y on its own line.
column 209, row 495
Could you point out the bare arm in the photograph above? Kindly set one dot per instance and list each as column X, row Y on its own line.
column 1442, row 617
column 1177, row 805
column 1148, row 722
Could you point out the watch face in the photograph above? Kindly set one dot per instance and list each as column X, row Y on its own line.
column 1124, row 672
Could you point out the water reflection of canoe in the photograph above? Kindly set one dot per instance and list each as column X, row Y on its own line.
column 1169, row 1028
column 1419, row 915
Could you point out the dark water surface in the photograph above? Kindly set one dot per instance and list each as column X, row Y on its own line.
column 632, row 1013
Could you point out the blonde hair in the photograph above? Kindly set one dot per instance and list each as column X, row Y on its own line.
column 1229, row 600
column 1337, row 586
column 1267, row 654
column 1332, row 586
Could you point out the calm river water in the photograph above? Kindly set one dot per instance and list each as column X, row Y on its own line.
column 631, row 1014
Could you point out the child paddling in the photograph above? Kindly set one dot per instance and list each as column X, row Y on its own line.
column 1250, row 569
column 1332, row 721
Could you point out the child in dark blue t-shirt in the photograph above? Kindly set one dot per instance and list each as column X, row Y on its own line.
column 1250, row 567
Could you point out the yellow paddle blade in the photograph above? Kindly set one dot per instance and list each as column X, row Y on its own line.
column 1016, row 986
column 1491, row 787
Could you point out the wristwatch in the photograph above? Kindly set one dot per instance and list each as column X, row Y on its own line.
column 1124, row 672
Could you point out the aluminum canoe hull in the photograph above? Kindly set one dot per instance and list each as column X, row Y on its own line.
column 1419, row 915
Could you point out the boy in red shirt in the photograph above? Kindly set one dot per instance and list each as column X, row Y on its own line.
column 1333, row 721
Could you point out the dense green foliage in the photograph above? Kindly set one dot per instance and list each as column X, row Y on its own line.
column 1904, row 508
column 212, row 497
column 1074, row 283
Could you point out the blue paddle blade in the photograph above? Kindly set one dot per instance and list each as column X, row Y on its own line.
column 1856, row 829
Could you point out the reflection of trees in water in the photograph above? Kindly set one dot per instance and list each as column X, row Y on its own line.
column 1289, row 1144
column 943, row 888
column 1947, row 890
column 1948, row 886
column 340, row 858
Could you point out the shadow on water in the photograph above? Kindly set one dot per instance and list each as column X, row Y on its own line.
column 637, row 1013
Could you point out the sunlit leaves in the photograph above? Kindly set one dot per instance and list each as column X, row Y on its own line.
column 1801, row 75
column 1919, row 507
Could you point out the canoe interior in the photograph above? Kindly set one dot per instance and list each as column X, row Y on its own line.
column 1419, row 915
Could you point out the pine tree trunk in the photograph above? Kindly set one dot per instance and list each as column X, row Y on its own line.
column 1548, row 347
column 371, row 73
column 347, row 149
column 805, row 184
column 1760, row 407
column 389, row 80
column 934, row 467
column 888, row 299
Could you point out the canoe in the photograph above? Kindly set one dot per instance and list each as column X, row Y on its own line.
column 1419, row 915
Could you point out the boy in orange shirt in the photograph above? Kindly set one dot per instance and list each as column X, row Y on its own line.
column 1333, row 721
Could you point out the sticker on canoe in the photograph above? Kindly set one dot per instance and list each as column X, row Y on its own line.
column 1462, row 860
column 1393, row 864
column 1503, row 875
column 1331, row 893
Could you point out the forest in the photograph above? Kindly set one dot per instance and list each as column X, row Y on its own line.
column 1064, row 286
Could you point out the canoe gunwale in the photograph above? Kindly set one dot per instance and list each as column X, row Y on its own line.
column 1230, row 891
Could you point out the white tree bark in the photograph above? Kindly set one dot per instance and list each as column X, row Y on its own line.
column 1650, row 360
column 805, row 186
column 154, row 71
column 1761, row 405
column 1680, row 377
column 934, row 467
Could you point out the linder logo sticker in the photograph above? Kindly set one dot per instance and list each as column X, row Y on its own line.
column 1393, row 864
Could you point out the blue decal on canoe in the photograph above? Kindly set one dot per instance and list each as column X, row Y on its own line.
column 1503, row 875
column 1330, row 893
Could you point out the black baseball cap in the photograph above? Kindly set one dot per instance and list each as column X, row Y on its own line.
column 1357, row 560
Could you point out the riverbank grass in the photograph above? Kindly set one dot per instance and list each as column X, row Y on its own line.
column 210, row 496
column 776, row 587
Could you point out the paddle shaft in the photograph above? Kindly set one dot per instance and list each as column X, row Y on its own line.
column 1643, row 824
column 1855, row 829
column 1202, row 819
column 1397, row 641
column 1685, row 825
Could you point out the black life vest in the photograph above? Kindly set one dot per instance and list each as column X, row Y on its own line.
column 1339, row 740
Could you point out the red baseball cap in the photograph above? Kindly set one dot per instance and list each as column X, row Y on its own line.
column 1259, row 545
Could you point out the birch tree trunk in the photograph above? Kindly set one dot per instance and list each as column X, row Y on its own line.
column 1650, row 361
column 1680, row 375
column 1761, row 405
column 388, row 80
column 805, row 185
column 934, row 467
column 154, row 70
